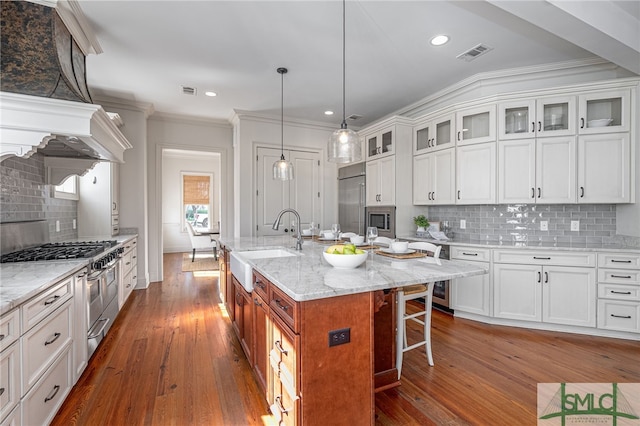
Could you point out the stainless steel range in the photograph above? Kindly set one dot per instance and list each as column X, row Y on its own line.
column 102, row 275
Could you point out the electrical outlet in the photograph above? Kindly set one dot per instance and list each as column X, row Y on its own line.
column 544, row 225
column 463, row 224
column 575, row 225
column 74, row 224
column 339, row 337
column 57, row 226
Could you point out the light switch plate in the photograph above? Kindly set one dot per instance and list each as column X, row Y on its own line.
column 544, row 225
column 463, row 224
column 575, row 225
column 74, row 224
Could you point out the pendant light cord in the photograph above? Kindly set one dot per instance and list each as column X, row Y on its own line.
column 282, row 72
column 344, row 67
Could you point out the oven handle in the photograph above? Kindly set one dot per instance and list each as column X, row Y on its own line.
column 94, row 335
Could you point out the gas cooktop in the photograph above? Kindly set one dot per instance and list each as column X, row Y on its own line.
column 59, row 251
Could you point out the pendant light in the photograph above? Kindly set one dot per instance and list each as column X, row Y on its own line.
column 282, row 169
column 344, row 144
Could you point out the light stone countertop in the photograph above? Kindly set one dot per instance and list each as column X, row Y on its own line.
column 307, row 276
column 20, row 282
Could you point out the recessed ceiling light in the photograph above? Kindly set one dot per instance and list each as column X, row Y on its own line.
column 439, row 40
column 328, row 113
column 211, row 93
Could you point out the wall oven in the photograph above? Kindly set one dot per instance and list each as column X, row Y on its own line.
column 383, row 218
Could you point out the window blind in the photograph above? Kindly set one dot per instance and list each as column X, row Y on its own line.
column 196, row 189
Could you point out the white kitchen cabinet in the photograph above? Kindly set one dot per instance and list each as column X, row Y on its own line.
column 129, row 272
column 381, row 181
column 80, row 327
column 604, row 112
column 476, row 174
column 537, row 117
column 99, row 203
column 604, row 163
column 434, row 133
column 476, row 125
column 9, row 379
column 537, row 170
column 543, row 290
column 434, row 178
column 472, row 294
column 380, row 144
column 619, row 292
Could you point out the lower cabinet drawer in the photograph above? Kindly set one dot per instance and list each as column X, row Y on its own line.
column 14, row 418
column 619, row 315
column 9, row 379
column 43, row 343
column 619, row 292
column 43, row 401
column 9, row 328
column 618, row 276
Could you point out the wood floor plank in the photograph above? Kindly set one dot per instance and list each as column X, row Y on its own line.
column 172, row 358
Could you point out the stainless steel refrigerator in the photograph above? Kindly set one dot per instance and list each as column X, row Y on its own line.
column 351, row 198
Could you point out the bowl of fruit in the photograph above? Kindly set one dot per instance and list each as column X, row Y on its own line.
column 344, row 256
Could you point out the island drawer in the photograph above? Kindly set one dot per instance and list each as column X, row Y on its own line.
column 285, row 307
column 619, row 260
column 549, row 257
column 471, row 253
column 9, row 328
column 261, row 285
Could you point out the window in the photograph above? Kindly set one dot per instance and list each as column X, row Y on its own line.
column 68, row 189
column 197, row 199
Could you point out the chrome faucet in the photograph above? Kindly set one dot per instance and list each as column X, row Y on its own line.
column 276, row 225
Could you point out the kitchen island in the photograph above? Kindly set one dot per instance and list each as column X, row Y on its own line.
column 320, row 339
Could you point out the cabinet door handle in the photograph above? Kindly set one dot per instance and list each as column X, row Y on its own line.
column 620, row 292
column 51, row 300
column 621, row 316
column 621, row 276
column 280, row 305
column 458, row 194
column 546, row 277
column 582, row 122
column 56, row 336
column 1, row 391
column 539, row 276
column 620, row 261
column 81, row 275
column 539, row 192
column 539, row 126
column 280, row 406
column 238, row 299
column 433, row 196
column 533, row 193
column 582, row 192
column 257, row 302
column 260, row 284
column 469, row 254
column 541, row 258
column 53, row 394
column 279, row 347
column 2, row 337
column 459, row 135
column 533, row 126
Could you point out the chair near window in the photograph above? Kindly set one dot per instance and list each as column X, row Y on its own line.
column 405, row 294
column 200, row 242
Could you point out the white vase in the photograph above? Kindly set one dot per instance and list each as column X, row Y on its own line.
column 421, row 229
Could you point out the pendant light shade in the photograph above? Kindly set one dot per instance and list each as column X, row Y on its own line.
column 344, row 143
column 282, row 169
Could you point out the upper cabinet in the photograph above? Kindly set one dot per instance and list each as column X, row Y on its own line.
column 541, row 117
column 434, row 133
column 476, row 125
column 380, row 182
column 380, row 144
column 604, row 112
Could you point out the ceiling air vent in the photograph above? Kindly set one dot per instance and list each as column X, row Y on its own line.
column 474, row 52
column 354, row 117
column 186, row 90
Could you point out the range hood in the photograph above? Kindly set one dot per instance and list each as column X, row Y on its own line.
column 45, row 105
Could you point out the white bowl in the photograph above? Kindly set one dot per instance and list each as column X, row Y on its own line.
column 357, row 239
column 399, row 246
column 599, row 123
column 345, row 261
column 306, row 232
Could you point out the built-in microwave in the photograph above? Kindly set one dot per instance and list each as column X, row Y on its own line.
column 383, row 218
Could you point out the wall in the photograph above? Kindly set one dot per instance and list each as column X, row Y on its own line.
column 175, row 132
column 25, row 196
column 175, row 239
column 521, row 222
column 251, row 131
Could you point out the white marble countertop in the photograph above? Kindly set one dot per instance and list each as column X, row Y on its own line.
column 20, row 282
column 527, row 245
column 307, row 276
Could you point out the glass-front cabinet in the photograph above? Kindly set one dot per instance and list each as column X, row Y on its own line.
column 542, row 117
column 604, row 112
column 380, row 144
column 434, row 134
column 476, row 125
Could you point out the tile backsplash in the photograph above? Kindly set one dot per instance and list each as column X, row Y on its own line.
column 25, row 196
column 521, row 222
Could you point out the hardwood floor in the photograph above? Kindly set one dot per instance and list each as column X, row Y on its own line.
column 172, row 358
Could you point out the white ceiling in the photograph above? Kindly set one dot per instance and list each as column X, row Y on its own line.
column 151, row 48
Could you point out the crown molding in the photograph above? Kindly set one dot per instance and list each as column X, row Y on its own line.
column 165, row 116
column 238, row 115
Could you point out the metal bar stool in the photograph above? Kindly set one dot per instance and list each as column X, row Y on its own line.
column 413, row 292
